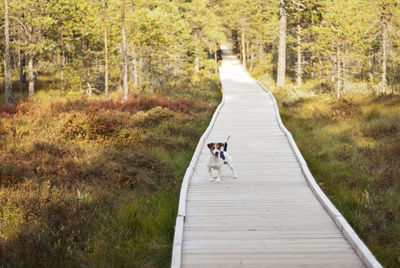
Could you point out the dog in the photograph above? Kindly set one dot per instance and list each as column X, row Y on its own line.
column 218, row 158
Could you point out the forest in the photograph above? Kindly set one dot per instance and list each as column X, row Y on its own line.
column 103, row 102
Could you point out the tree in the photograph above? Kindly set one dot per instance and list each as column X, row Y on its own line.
column 340, row 38
column 124, row 52
column 7, row 57
column 385, row 16
column 281, row 72
column 105, row 50
column 299, row 8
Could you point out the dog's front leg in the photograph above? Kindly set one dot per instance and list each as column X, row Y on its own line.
column 219, row 175
column 210, row 172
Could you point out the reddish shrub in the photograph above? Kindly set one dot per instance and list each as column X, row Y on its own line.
column 20, row 108
column 101, row 125
column 344, row 108
column 133, row 105
column 7, row 110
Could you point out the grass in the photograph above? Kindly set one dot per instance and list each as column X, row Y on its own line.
column 91, row 183
column 352, row 147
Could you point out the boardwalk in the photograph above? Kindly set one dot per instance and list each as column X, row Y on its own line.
column 270, row 216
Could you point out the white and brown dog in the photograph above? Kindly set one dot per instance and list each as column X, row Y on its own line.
column 218, row 158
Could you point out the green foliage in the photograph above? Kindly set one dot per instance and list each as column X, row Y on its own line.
column 65, row 39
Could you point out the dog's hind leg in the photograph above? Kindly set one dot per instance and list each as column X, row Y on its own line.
column 210, row 172
column 233, row 170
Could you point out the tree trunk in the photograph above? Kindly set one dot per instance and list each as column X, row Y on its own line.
column 139, row 69
column 21, row 65
column 282, row 45
column 196, row 52
column 89, row 89
column 61, row 61
column 243, row 50
column 196, row 64
column 21, row 71
column 124, row 52
column 343, row 61
column 31, row 76
column 216, row 58
column 371, row 70
column 384, row 56
column 240, row 47
column 121, row 76
column 105, row 50
column 260, row 51
column 87, row 59
column 7, row 57
column 62, row 70
column 251, row 60
column 135, row 68
column 299, row 71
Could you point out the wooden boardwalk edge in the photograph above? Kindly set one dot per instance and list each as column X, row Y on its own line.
column 180, row 219
column 358, row 245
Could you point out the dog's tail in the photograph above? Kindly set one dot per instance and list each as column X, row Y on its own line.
column 226, row 142
column 229, row 136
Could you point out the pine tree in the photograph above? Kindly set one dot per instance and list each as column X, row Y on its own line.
column 105, row 49
column 281, row 72
column 7, row 57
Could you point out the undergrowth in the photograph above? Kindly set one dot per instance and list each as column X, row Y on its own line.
column 86, row 182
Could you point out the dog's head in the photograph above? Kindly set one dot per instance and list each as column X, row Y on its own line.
column 215, row 148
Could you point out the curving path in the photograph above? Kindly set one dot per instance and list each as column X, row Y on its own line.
column 274, row 215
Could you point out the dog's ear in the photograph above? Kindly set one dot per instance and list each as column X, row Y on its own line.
column 221, row 144
column 210, row 145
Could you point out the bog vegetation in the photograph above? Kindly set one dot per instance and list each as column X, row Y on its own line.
column 101, row 121
column 104, row 102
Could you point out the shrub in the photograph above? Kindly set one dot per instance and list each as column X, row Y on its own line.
column 74, row 126
column 344, row 108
